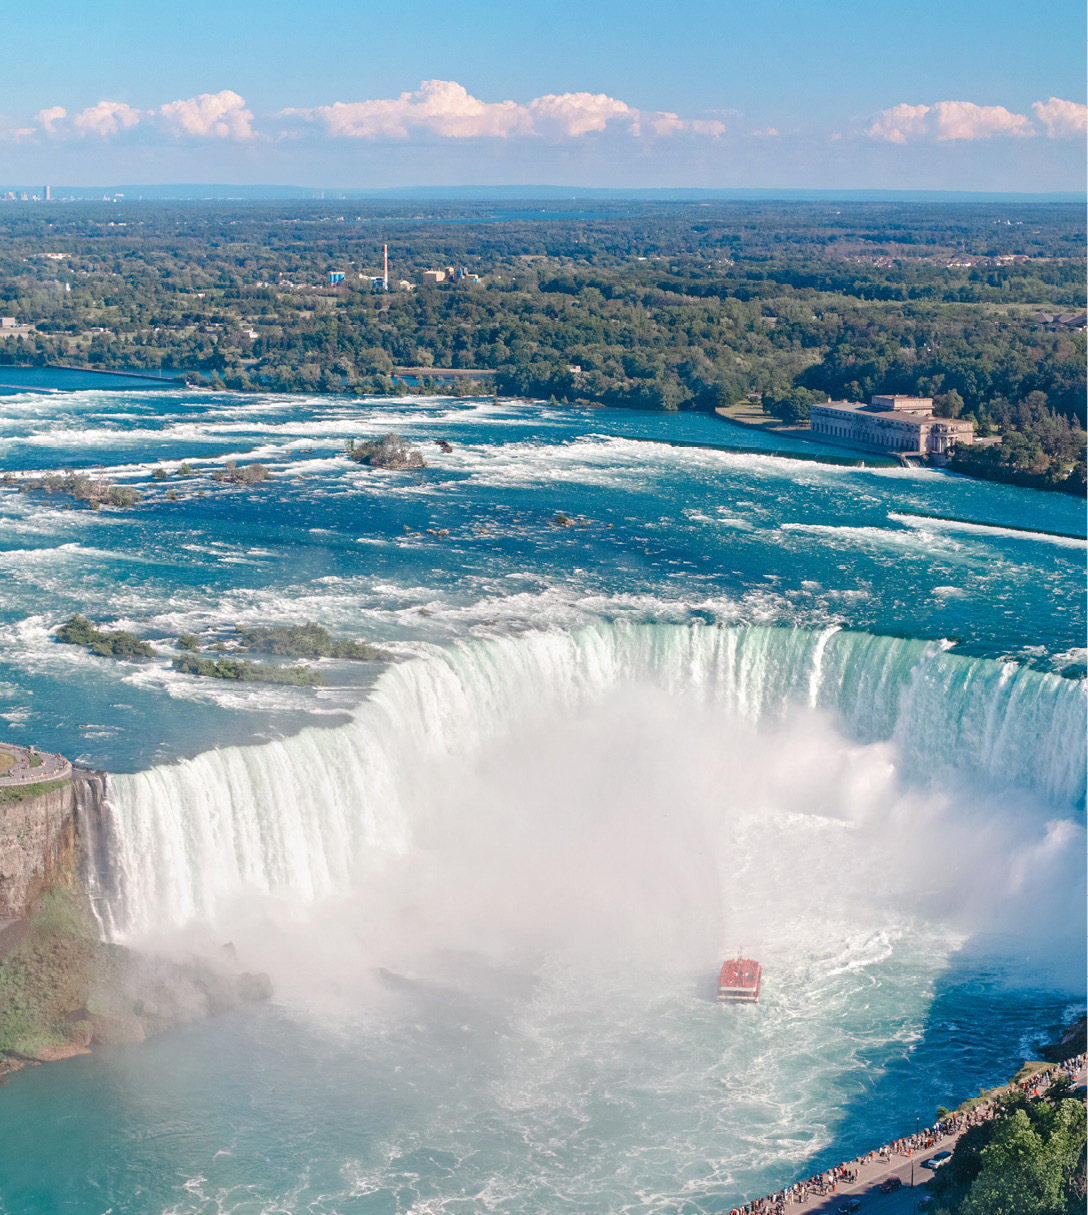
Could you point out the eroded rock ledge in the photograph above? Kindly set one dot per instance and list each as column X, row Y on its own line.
column 63, row 989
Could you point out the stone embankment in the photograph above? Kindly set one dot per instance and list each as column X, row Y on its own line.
column 62, row 988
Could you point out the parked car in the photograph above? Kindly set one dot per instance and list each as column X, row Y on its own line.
column 935, row 1162
column 890, row 1185
column 851, row 1204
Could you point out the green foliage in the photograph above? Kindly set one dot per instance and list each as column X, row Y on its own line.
column 1028, row 1160
column 791, row 406
column 390, row 451
column 1029, row 1166
column 95, row 492
column 654, row 306
column 243, row 670
column 30, row 982
column 247, row 474
column 1039, row 448
column 118, row 644
column 307, row 641
column 188, row 641
column 9, row 794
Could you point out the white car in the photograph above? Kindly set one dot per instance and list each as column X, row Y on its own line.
column 935, row 1162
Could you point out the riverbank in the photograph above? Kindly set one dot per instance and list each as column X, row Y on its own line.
column 750, row 414
column 901, row 1166
column 979, row 464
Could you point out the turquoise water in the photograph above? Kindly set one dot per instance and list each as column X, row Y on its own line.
column 746, row 700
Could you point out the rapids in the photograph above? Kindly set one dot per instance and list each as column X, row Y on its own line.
column 833, row 715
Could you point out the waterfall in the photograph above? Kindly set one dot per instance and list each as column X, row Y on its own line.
column 309, row 816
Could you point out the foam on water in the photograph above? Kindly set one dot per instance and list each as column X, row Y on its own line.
column 549, row 821
column 545, row 843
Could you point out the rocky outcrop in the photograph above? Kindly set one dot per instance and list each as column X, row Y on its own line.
column 390, row 451
column 37, row 843
column 63, row 989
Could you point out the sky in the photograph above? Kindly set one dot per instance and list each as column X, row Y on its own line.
column 984, row 95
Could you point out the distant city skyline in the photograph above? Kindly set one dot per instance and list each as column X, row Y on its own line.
column 963, row 95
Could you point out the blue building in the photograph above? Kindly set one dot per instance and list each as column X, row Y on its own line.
column 335, row 277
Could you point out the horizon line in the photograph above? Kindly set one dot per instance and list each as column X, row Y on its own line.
column 228, row 191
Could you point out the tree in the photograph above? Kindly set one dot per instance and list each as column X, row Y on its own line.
column 948, row 404
column 1033, row 1164
column 792, row 407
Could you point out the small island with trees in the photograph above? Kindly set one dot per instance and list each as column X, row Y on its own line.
column 223, row 660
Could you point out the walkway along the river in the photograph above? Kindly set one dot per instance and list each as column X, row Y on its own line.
column 860, row 1179
column 30, row 766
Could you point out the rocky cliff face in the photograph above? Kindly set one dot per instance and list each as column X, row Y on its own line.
column 62, row 988
column 37, row 843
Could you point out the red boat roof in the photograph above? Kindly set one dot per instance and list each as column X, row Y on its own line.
column 740, row 972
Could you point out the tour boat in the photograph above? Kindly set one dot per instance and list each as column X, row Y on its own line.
column 740, row 980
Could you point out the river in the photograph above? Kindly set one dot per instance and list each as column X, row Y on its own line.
column 832, row 715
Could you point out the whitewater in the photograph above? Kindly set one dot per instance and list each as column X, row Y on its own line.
column 746, row 701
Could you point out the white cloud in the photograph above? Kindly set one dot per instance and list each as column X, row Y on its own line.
column 446, row 109
column 51, row 118
column 945, row 121
column 220, row 115
column 439, row 107
column 1062, row 118
column 105, row 118
column 766, row 133
column 574, row 114
column 965, row 120
column 900, row 123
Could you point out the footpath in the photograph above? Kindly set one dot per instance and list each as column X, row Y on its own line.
column 859, row 1180
column 29, row 766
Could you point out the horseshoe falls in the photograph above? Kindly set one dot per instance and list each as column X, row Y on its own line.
column 832, row 716
column 304, row 818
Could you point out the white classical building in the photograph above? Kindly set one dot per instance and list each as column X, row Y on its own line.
column 890, row 423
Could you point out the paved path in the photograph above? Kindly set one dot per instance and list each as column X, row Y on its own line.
column 26, row 772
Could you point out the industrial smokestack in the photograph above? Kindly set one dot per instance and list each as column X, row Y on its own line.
column 385, row 274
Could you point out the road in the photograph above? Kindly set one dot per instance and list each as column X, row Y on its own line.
column 902, row 1201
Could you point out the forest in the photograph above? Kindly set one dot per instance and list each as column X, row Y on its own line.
column 659, row 306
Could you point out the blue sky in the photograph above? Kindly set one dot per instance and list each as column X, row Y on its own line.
column 784, row 93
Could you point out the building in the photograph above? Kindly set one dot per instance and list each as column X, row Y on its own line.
column 335, row 276
column 890, row 423
column 434, row 276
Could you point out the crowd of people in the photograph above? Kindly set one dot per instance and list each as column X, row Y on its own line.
column 821, row 1185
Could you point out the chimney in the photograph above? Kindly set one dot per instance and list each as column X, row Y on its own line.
column 385, row 275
